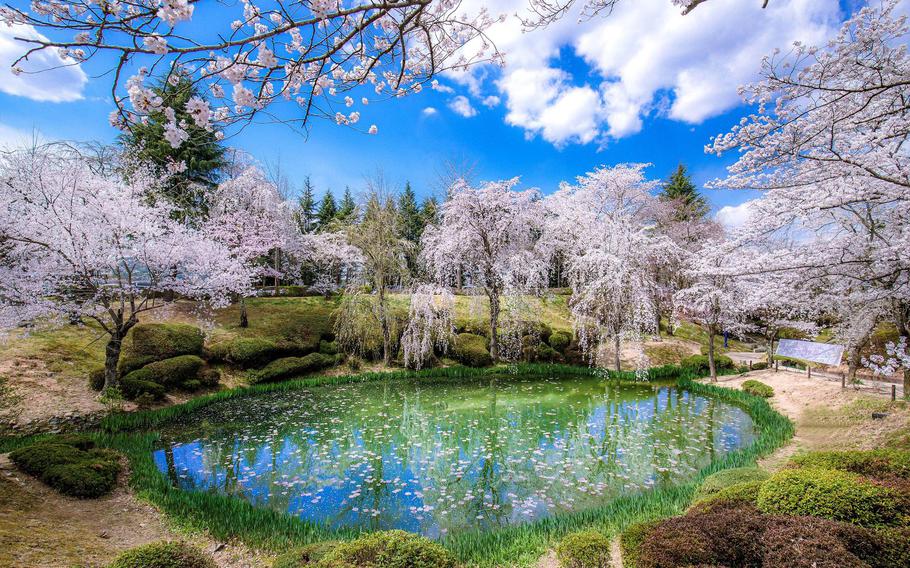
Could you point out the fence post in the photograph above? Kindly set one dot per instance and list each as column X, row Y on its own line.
column 893, row 393
column 808, row 371
column 750, row 365
column 843, row 380
column 776, row 363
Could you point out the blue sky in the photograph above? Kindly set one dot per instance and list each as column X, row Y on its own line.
column 643, row 85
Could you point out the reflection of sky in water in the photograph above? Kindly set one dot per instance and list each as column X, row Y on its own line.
column 441, row 458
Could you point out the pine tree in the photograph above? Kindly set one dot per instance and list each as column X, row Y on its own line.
column 348, row 206
column 679, row 188
column 327, row 210
column 306, row 215
column 411, row 221
column 188, row 191
column 429, row 212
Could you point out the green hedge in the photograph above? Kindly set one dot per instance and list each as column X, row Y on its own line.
column 290, row 367
column 163, row 555
column 471, row 350
column 630, row 541
column 729, row 477
column 745, row 492
column 882, row 463
column 758, row 388
column 250, row 352
column 388, row 549
column 560, row 340
column 71, row 465
column 170, row 372
column 699, row 363
column 149, row 342
column 830, row 494
column 584, row 549
column 305, row 555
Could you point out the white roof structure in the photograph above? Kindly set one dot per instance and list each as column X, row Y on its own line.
column 824, row 353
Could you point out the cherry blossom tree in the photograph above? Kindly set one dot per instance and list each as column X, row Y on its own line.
column 430, row 326
column 827, row 146
column 603, row 227
column 315, row 53
column 330, row 258
column 249, row 217
column 715, row 300
column 80, row 245
column 775, row 301
column 488, row 236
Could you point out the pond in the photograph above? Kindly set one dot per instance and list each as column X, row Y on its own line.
column 441, row 458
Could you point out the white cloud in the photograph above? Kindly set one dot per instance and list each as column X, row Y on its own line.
column 645, row 59
column 46, row 76
column 490, row 101
column 734, row 216
column 429, row 111
column 11, row 138
column 461, row 105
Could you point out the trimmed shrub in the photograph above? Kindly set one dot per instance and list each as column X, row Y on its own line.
column 830, row 494
column 248, row 352
column 873, row 463
column 291, row 367
column 476, row 327
column 745, row 493
column 894, row 548
column 149, row 342
column 306, row 555
column 559, row 340
column 547, row 354
column 210, row 377
column 328, row 347
column 169, row 372
column 388, row 549
column 71, row 465
column 699, row 363
column 759, row 365
column 133, row 388
column 163, row 555
column 758, row 388
column 729, row 477
column 630, row 542
column 471, row 350
column 96, row 379
column 584, row 549
column 796, row 543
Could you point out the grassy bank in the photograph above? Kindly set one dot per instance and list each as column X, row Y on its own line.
column 226, row 517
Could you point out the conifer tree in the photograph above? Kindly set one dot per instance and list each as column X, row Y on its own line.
column 429, row 212
column 411, row 221
column 306, row 214
column 348, row 206
column 327, row 210
column 690, row 204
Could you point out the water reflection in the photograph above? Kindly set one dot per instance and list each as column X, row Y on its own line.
column 436, row 459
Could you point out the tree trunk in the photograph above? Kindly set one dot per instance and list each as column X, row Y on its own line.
column 771, row 339
column 386, row 332
column 277, row 257
column 617, row 343
column 111, row 358
column 711, row 366
column 244, row 319
column 494, row 325
column 657, row 324
column 852, row 363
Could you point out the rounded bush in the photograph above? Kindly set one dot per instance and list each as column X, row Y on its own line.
column 729, row 477
column 288, row 367
column 737, row 494
column 305, row 556
column 630, row 541
column 894, row 548
column 471, row 350
column 328, row 347
column 830, row 494
column 210, row 377
column 170, row 372
column 559, row 340
column 133, row 388
column 163, row 555
column 699, row 363
column 759, row 365
column 149, row 342
column 388, row 549
column 796, row 544
column 872, row 463
column 758, row 388
column 71, row 465
column 584, row 549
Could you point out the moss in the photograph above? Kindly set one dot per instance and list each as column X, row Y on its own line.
column 328, row 347
column 148, row 342
column 630, row 542
column 210, row 377
column 163, row 555
column 306, row 555
column 71, row 465
column 830, row 494
column 584, row 549
column 129, row 363
column 559, row 340
column 133, row 388
column 169, row 372
column 758, row 388
column 471, row 350
column 881, row 463
column 289, row 367
column 388, row 549
column 249, row 352
column 700, row 364
column 96, row 378
column 729, row 477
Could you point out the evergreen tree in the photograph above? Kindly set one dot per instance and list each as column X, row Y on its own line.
column 188, row 191
column 411, row 221
column 347, row 206
column 306, row 215
column 429, row 213
column 327, row 210
column 691, row 205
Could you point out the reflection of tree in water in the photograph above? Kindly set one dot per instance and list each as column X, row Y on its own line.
column 396, row 454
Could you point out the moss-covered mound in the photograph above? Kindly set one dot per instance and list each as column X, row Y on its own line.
column 560, row 340
column 289, row 367
column 830, row 494
column 758, row 388
column 251, row 352
column 305, row 556
column 724, row 479
column 170, row 373
column 699, row 363
column 149, row 342
column 163, row 555
column 388, row 549
column 584, row 549
column 70, row 464
column 471, row 350
column 881, row 464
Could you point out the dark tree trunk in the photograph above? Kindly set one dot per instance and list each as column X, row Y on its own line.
column 711, row 366
column 617, row 344
column 277, row 258
column 244, row 318
column 386, row 331
column 494, row 325
column 112, row 351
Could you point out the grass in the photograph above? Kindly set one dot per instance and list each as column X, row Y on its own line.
column 225, row 517
column 70, row 350
column 692, row 332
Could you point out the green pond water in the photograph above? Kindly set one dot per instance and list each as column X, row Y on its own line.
column 441, row 458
